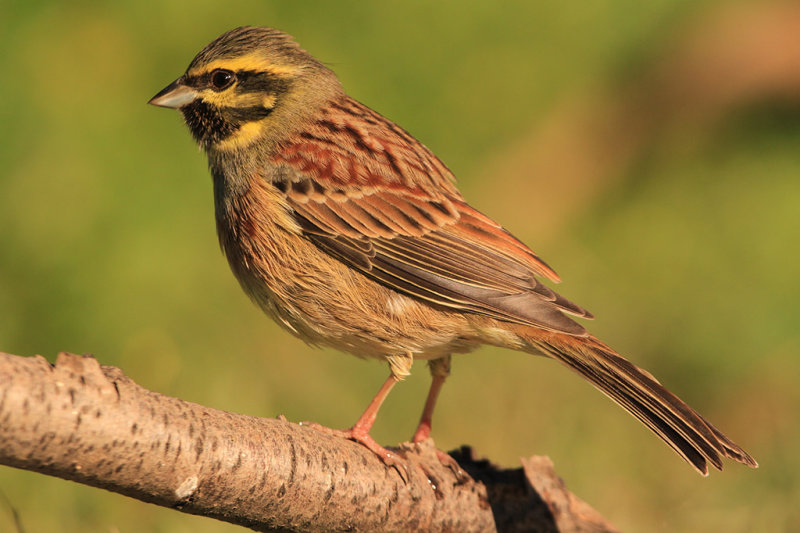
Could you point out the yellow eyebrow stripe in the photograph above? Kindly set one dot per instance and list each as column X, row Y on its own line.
column 253, row 61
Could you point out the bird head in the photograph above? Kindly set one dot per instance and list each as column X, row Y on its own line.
column 247, row 83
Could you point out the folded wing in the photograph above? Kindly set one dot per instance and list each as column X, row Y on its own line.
column 370, row 195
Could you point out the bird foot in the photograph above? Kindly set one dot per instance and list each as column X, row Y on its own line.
column 390, row 458
column 444, row 458
column 453, row 465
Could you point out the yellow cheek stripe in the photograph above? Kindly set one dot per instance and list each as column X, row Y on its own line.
column 223, row 99
column 230, row 98
column 254, row 61
column 244, row 136
column 268, row 101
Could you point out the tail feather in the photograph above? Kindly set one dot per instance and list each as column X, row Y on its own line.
column 680, row 426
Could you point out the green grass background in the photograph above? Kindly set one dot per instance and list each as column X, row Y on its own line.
column 598, row 132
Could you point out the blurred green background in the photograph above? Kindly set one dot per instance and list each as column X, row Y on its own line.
column 647, row 150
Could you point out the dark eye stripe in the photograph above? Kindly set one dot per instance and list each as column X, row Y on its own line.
column 240, row 115
column 257, row 82
column 249, row 81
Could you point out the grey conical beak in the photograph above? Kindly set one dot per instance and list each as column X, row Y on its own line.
column 174, row 95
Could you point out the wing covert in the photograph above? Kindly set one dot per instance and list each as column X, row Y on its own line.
column 367, row 193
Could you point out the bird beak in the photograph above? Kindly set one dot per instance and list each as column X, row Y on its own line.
column 175, row 95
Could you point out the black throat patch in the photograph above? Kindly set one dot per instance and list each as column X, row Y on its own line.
column 210, row 124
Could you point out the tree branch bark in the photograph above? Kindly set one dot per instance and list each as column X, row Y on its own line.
column 91, row 424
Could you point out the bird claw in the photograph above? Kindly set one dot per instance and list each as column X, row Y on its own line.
column 445, row 460
column 400, row 465
column 389, row 458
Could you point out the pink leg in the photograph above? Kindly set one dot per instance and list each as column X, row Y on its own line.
column 424, row 427
column 440, row 369
column 360, row 430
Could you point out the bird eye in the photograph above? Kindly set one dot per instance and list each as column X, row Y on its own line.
column 222, row 78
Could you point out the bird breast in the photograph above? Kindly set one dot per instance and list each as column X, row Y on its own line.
column 318, row 298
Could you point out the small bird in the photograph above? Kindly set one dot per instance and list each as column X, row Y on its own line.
column 351, row 234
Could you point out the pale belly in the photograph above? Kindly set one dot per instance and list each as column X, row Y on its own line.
column 368, row 321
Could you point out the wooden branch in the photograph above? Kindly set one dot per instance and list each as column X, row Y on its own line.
column 91, row 424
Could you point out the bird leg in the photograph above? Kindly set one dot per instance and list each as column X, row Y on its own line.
column 440, row 369
column 423, row 431
column 360, row 430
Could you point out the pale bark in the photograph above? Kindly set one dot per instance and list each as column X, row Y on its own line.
column 91, row 424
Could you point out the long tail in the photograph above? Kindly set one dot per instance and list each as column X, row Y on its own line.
column 680, row 426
